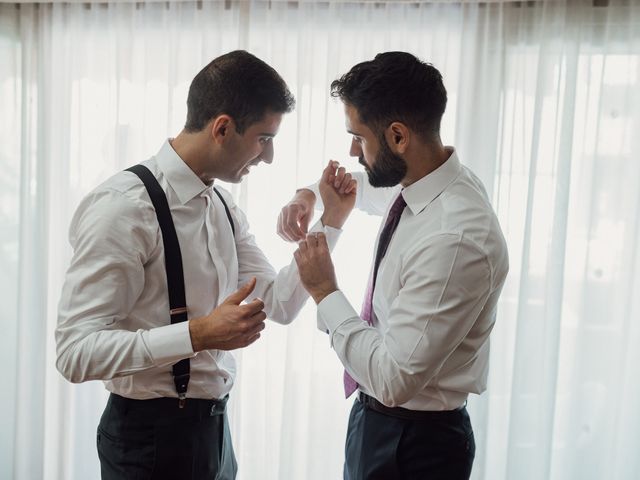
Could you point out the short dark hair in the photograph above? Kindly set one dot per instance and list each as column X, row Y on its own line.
column 395, row 86
column 237, row 84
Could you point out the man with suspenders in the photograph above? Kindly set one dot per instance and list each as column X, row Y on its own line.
column 163, row 261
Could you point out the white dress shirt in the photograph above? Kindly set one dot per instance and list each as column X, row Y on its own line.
column 434, row 303
column 113, row 322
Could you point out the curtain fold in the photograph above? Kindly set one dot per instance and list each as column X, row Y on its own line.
column 544, row 105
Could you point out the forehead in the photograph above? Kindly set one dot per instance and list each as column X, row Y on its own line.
column 352, row 121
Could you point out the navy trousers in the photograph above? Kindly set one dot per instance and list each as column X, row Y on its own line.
column 437, row 446
column 156, row 440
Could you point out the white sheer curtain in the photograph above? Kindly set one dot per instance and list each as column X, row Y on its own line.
column 544, row 106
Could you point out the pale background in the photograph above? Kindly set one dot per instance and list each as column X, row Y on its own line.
column 544, row 105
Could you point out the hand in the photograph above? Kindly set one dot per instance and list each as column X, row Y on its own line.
column 294, row 218
column 230, row 325
column 315, row 266
column 338, row 192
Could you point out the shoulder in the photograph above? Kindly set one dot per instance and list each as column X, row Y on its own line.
column 466, row 210
column 118, row 206
column 123, row 193
column 464, row 207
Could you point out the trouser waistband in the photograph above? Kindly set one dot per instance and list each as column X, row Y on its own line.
column 197, row 407
column 405, row 413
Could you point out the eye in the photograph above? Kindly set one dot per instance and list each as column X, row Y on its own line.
column 265, row 140
column 357, row 139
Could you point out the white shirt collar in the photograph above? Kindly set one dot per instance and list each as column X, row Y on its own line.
column 421, row 193
column 184, row 182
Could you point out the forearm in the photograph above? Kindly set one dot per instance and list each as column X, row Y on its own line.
column 366, row 356
column 107, row 354
column 383, row 375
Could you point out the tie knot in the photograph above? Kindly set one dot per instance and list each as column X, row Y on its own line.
column 397, row 207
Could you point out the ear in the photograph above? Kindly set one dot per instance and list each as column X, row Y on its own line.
column 221, row 127
column 398, row 136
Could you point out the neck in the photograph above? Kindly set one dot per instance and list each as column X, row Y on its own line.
column 191, row 148
column 424, row 161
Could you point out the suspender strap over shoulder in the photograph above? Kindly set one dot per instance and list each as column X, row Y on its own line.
column 226, row 209
column 173, row 266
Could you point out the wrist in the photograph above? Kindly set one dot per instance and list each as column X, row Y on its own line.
column 320, row 294
column 195, row 334
column 306, row 196
column 333, row 219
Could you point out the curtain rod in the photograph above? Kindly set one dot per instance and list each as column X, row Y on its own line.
column 596, row 3
column 296, row 3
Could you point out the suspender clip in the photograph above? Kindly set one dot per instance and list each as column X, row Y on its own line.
column 181, row 382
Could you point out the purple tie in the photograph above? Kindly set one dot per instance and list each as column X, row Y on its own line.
column 395, row 212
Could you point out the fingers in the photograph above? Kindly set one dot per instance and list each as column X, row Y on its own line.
column 312, row 242
column 353, row 185
column 252, row 318
column 303, row 221
column 253, row 323
column 293, row 228
column 237, row 297
column 252, row 339
column 338, row 177
column 346, row 183
column 282, row 222
column 321, row 241
column 254, row 326
column 317, row 244
column 250, row 336
column 253, row 308
column 293, row 223
column 329, row 171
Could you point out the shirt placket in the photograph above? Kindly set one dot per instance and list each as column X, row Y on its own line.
column 212, row 242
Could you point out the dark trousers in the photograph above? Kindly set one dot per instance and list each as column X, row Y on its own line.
column 436, row 446
column 156, row 440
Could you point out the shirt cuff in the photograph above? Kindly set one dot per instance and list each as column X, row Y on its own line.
column 170, row 343
column 332, row 234
column 333, row 311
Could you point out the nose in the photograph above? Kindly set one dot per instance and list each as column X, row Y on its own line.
column 356, row 149
column 267, row 153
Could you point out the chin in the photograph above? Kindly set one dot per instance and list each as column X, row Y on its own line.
column 378, row 181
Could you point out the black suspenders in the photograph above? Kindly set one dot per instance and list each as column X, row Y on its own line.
column 173, row 266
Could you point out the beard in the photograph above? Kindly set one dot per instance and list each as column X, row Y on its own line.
column 388, row 169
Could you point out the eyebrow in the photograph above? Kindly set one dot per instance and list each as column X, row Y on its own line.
column 267, row 134
column 354, row 133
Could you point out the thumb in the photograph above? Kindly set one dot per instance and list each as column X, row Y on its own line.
column 243, row 292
